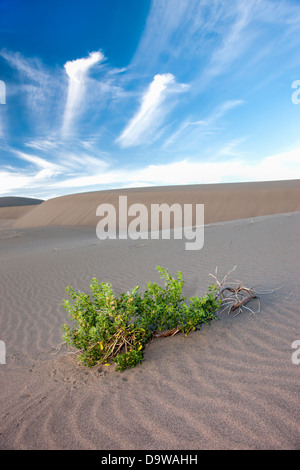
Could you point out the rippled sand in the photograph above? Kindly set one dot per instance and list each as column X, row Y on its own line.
column 230, row 385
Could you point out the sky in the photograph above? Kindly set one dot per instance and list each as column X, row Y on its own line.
column 107, row 94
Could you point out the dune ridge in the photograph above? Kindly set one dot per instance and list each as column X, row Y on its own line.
column 222, row 202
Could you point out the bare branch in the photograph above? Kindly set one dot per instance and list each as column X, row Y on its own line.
column 234, row 295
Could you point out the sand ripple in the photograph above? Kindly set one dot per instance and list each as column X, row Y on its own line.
column 230, row 385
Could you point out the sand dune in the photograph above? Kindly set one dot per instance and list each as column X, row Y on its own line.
column 222, row 202
column 230, row 385
column 12, row 208
column 13, row 201
column 14, row 212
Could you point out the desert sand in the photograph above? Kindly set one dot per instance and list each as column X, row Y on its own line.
column 222, row 202
column 230, row 385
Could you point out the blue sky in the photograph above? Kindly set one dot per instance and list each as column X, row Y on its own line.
column 104, row 94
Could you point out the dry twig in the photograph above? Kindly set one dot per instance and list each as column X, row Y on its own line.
column 234, row 295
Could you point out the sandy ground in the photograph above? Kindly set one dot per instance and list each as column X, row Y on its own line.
column 230, row 385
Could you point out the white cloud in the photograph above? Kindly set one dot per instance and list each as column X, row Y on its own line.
column 39, row 162
column 281, row 166
column 42, row 173
column 12, row 181
column 41, row 144
column 197, row 42
column 275, row 167
column 223, row 108
column 45, row 180
column 29, row 68
column 182, row 31
column 271, row 168
column 77, row 71
column 56, row 97
column 208, row 37
column 189, row 131
column 38, row 87
column 234, row 42
column 37, row 83
column 151, row 112
column 163, row 20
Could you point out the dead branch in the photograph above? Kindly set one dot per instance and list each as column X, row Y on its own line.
column 234, row 295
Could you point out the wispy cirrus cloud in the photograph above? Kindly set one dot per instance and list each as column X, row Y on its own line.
column 53, row 168
column 37, row 87
column 34, row 177
column 206, row 39
column 234, row 41
column 61, row 160
column 181, row 31
column 189, row 131
column 56, row 97
column 30, row 68
column 47, row 164
column 36, row 83
column 152, row 110
column 77, row 71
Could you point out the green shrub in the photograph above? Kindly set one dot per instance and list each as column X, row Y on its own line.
column 106, row 327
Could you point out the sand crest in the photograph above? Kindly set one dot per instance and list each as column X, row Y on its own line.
column 221, row 201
